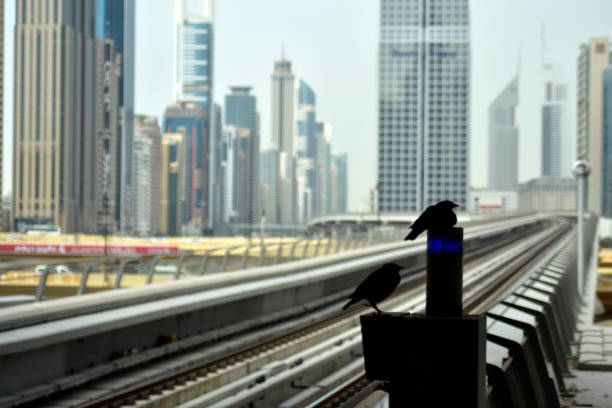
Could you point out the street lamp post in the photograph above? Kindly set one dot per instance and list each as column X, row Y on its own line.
column 581, row 171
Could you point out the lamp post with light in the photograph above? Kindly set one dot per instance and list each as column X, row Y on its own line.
column 581, row 171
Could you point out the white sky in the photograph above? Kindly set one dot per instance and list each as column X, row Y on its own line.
column 333, row 46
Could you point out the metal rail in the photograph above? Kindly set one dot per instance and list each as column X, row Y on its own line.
column 234, row 358
column 354, row 391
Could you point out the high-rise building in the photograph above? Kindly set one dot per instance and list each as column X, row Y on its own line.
column 237, row 197
column 190, row 120
column 241, row 114
column 283, row 130
column 146, row 171
column 115, row 21
column 555, row 131
column 423, row 103
column 269, row 186
column 54, row 112
column 305, row 151
column 503, row 139
column 193, row 82
column 606, row 188
column 594, row 58
column 217, row 172
column 102, row 171
column 193, row 68
column 3, row 225
column 323, row 187
column 172, row 183
column 339, row 183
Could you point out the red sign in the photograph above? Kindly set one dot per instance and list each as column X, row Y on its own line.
column 85, row 250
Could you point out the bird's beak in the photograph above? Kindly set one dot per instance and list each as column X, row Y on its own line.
column 456, row 205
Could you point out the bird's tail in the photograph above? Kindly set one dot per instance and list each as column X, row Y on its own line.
column 412, row 236
column 349, row 303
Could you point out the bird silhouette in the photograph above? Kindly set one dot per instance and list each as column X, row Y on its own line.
column 436, row 216
column 377, row 286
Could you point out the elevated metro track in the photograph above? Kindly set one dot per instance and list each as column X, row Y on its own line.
column 87, row 338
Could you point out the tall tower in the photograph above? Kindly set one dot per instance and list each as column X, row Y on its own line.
column 2, row 226
column 194, row 53
column 503, row 139
column 115, row 21
column 339, row 183
column 606, row 210
column 146, row 212
column 306, row 151
column 323, row 189
column 172, row 183
column 423, row 103
column 594, row 58
column 554, row 130
column 190, row 120
column 241, row 113
column 102, row 173
column 54, row 111
column 193, row 82
column 283, row 130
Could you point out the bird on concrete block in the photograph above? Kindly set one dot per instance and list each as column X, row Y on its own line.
column 438, row 216
column 377, row 286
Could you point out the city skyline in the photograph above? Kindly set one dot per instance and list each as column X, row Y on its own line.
column 562, row 49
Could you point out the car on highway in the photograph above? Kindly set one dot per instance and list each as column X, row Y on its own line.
column 59, row 269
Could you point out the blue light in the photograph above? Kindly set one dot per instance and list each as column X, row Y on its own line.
column 444, row 245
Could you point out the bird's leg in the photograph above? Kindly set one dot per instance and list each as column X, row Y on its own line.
column 375, row 307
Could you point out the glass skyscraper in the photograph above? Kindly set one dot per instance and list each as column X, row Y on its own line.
column 194, row 40
column 191, row 121
column 241, row 113
column 115, row 20
column 423, row 102
column 306, row 151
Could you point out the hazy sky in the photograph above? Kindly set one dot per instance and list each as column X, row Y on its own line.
column 333, row 46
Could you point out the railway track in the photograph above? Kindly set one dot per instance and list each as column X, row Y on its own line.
column 356, row 389
column 222, row 381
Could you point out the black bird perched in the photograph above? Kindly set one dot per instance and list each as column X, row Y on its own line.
column 436, row 216
column 377, row 286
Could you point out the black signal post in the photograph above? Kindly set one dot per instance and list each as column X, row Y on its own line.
column 436, row 359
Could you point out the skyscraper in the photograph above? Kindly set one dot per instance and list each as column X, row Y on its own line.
column 172, row 183
column 594, row 58
column 339, row 183
column 54, row 112
column 555, row 130
column 270, row 184
column 2, row 226
column 194, row 54
column 101, row 172
column 283, row 125
column 217, row 172
column 238, row 194
column 241, row 114
column 115, row 21
column 606, row 210
column 305, row 151
column 423, row 103
column 323, row 187
column 193, row 82
column 503, row 139
column 190, row 120
column 146, row 172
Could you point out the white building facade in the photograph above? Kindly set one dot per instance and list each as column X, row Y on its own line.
column 283, row 131
column 504, row 138
column 423, row 103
